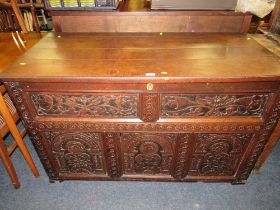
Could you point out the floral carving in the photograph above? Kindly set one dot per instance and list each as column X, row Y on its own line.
column 148, row 153
column 77, row 152
column 148, row 158
column 218, row 154
column 216, row 105
column 86, row 105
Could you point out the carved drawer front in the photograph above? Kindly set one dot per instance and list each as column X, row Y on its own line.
column 218, row 154
column 77, row 153
column 107, row 105
column 247, row 105
column 148, row 154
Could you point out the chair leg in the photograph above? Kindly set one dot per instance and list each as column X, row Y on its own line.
column 8, row 164
column 16, row 134
column 19, row 16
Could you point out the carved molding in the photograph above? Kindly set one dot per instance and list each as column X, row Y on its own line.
column 216, row 105
column 150, row 106
column 180, row 162
column 112, row 154
column 15, row 92
column 105, row 105
column 163, row 127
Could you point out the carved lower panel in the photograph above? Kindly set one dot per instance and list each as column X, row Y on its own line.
column 148, row 153
column 112, row 152
column 218, row 154
column 150, row 106
column 212, row 105
column 105, row 105
column 213, row 150
column 77, row 153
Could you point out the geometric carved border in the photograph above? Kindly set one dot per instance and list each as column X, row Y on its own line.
column 16, row 93
column 139, row 127
column 260, row 141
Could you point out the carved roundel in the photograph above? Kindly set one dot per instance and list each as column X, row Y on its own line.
column 149, row 147
column 75, row 147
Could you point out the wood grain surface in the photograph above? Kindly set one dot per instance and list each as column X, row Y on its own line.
column 135, row 55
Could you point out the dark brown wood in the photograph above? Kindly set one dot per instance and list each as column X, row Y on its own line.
column 136, row 16
column 177, row 107
column 18, row 15
column 274, row 138
column 8, row 21
column 12, row 17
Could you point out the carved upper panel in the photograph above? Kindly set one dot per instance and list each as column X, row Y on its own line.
column 213, row 105
column 104, row 105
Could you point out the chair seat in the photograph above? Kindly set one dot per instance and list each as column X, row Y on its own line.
column 8, row 121
column 3, row 126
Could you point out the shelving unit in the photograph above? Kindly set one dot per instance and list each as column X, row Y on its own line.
column 81, row 4
column 10, row 23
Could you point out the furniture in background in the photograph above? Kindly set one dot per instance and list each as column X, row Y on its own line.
column 169, row 107
column 137, row 16
column 194, row 4
column 11, row 9
column 275, row 19
column 8, row 120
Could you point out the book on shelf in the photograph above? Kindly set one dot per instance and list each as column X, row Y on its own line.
column 55, row 3
column 87, row 3
column 28, row 20
column 70, row 3
column 82, row 3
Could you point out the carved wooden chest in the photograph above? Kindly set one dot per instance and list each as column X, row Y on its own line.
column 176, row 107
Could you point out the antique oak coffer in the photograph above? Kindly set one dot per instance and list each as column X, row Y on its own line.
column 177, row 107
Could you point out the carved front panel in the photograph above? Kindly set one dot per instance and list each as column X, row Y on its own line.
column 148, row 153
column 218, row 154
column 213, row 105
column 104, row 105
column 77, row 153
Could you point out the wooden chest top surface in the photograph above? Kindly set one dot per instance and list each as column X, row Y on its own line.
column 134, row 55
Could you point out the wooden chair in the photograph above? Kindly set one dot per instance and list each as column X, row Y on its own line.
column 8, row 120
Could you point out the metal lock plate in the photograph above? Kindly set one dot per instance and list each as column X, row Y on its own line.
column 150, row 86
